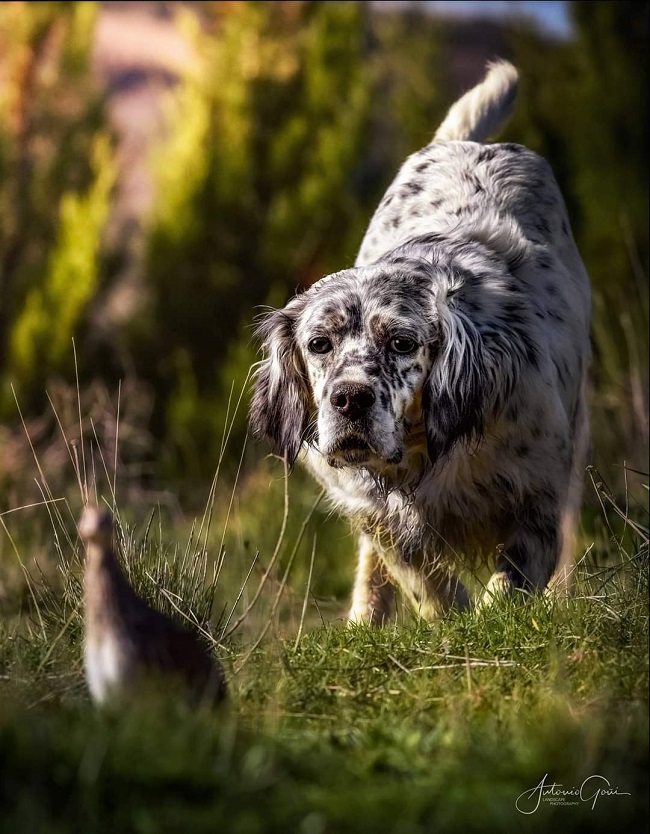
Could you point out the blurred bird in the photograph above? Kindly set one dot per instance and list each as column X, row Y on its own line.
column 128, row 644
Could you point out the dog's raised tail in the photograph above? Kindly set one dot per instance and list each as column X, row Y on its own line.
column 483, row 110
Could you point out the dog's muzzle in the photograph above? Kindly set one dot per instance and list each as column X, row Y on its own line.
column 356, row 441
column 351, row 404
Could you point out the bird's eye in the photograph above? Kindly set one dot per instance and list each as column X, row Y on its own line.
column 403, row 344
column 320, row 344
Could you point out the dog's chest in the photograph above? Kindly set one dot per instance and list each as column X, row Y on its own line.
column 448, row 510
column 443, row 513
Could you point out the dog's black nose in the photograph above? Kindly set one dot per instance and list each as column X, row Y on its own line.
column 352, row 399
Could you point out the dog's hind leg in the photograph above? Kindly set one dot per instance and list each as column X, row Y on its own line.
column 563, row 576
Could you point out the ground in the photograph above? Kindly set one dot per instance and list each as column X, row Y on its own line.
column 461, row 725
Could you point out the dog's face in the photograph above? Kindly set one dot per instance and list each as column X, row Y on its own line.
column 347, row 363
column 366, row 348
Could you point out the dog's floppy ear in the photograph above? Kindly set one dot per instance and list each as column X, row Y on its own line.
column 280, row 404
column 458, row 390
column 485, row 338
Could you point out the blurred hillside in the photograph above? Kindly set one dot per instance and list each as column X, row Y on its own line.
column 167, row 168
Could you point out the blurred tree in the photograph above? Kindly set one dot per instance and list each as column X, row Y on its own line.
column 56, row 172
column 413, row 89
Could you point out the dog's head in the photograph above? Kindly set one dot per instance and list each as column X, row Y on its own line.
column 373, row 362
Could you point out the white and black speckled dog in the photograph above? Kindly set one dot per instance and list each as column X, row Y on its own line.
column 438, row 388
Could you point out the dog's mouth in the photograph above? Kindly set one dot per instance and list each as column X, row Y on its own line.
column 356, row 451
column 352, row 450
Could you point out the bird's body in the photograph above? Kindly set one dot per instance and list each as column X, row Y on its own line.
column 128, row 644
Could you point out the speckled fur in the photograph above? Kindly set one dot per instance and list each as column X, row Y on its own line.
column 475, row 444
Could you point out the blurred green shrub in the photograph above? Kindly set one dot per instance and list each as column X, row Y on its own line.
column 40, row 337
column 56, row 174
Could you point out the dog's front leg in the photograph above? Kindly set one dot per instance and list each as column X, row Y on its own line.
column 431, row 589
column 372, row 599
column 441, row 592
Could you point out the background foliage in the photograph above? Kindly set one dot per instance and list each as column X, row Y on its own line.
column 280, row 137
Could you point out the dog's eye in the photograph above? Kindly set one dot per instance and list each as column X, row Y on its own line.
column 320, row 344
column 402, row 344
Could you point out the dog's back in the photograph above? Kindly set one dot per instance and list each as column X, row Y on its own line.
column 502, row 194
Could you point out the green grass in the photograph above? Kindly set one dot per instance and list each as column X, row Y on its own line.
column 410, row 728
